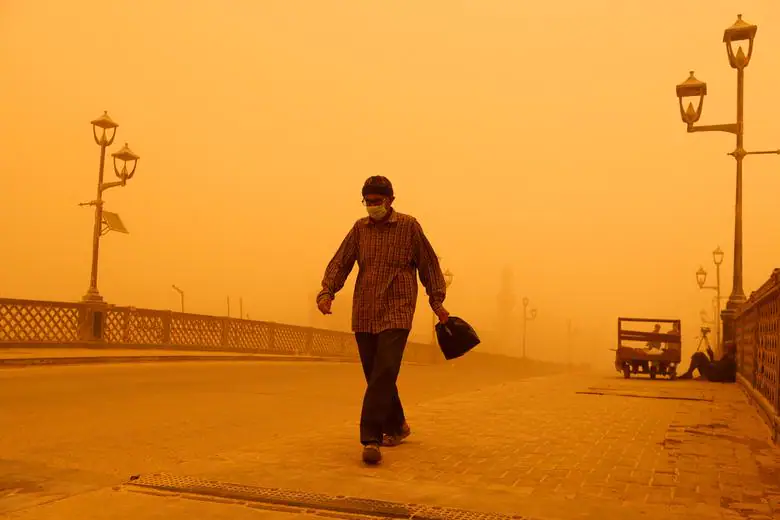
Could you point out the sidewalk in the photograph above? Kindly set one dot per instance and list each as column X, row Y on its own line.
column 554, row 448
column 11, row 357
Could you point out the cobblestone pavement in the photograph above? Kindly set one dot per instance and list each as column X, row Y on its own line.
column 682, row 449
column 70, row 431
column 551, row 448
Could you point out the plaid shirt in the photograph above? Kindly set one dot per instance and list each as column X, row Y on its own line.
column 388, row 255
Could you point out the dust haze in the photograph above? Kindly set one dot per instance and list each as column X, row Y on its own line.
column 539, row 144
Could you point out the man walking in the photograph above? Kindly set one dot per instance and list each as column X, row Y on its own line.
column 390, row 248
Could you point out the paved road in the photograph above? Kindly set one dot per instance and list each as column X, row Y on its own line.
column 558, row 447
column 70, row 429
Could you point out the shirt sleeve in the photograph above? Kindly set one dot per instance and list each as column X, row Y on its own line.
column 428, row 266
column 340, row 266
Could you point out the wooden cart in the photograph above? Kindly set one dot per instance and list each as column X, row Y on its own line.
column 640, row 359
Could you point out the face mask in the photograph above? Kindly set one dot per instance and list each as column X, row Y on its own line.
column 377, row 212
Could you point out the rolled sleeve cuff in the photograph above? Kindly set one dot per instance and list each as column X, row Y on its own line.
column 437, row 305
column 324, row 294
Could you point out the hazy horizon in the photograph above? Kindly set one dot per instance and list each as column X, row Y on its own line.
column 541, row 138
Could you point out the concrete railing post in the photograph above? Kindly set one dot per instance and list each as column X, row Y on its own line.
column 272, row 337
column 225, row 339
column 167, row 321
column 92, row 322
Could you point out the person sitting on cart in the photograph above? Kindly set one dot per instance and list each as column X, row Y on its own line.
column 676, row 344
column 655, row 344
column 649, row 347
column 721, row 371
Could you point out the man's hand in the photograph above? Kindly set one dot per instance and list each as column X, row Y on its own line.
column 324, row 305
column 443, row 315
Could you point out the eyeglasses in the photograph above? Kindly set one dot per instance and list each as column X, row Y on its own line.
column 373, row 202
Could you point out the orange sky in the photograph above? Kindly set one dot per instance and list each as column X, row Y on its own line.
column 541, row 136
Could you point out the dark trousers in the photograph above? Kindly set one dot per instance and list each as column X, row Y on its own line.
column 701, row 362
column 381, row 355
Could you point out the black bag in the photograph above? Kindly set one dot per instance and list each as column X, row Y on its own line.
column 456, row 337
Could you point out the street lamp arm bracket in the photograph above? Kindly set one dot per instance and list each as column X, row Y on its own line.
column 764, row 152
column 731, row 128
column 108, row 185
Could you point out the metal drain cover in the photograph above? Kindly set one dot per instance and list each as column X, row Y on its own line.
column 307, row 500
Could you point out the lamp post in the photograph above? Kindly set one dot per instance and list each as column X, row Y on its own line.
column 181, row 295
column 448, row 277
column 106, row 125
column 694, row 91
column 527, row 316
column 704, row 316
column 701, row 279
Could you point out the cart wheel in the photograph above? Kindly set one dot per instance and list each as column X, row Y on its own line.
column 653, row 372
column 626, row 371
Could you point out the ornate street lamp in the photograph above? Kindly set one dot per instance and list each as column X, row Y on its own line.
column 717, row 259
column 106, row 127
column 527, row 316
column 701, row 279
column 126, row 156
column 693, row 91
column 717, row 256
